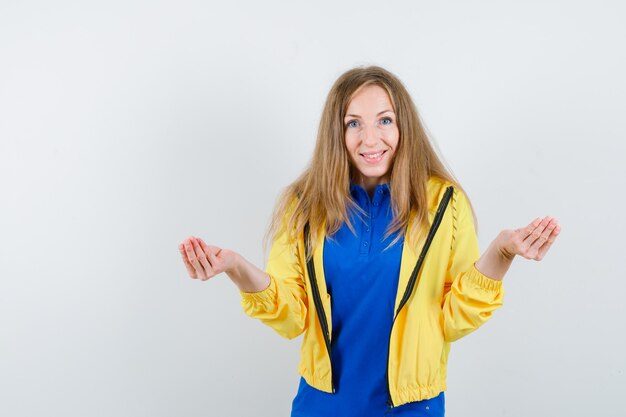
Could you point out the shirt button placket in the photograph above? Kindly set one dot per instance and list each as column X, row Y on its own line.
column 367, row 236
column 369, row 229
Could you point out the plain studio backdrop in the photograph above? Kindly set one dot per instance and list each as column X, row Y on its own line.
column 127, row 126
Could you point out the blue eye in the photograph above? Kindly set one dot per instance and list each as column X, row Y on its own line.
column 387, row 119
column 349, row 124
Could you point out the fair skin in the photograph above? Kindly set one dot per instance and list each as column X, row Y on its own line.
column 371, row 128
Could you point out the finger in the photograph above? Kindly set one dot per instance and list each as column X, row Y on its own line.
column 202, row 258
column 536, row 233
column 526, row 231
column 543, row 238
column 211, row 252
column 190, row 269
column 214, row 257
column 193, row 258
column 544, row 249
column 207, row 248
column 204, row 246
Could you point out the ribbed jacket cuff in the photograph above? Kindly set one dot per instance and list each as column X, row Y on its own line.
column 481, row 280
column 268, row 295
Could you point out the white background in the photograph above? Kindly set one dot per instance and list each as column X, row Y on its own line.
column 126, row 126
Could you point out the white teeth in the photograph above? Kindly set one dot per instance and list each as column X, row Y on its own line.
column 374, row 155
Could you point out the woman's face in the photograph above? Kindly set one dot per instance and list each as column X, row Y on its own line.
column 372, row 135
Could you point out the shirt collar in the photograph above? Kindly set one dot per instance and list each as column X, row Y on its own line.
column 360, row 195
column 384, row 187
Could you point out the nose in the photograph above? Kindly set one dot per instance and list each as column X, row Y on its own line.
column 370, row 135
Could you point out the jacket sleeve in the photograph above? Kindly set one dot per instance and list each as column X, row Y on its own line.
column 283, row 304
column 470, row 297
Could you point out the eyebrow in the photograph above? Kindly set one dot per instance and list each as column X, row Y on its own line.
column 356, row 115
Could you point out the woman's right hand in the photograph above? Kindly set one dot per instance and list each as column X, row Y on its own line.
column 204, row 261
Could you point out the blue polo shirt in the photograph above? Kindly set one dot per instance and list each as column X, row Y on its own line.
column 362, row 281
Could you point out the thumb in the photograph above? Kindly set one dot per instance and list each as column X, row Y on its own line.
column 211, row 252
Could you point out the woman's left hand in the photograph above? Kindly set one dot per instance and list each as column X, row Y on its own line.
column 532, row 241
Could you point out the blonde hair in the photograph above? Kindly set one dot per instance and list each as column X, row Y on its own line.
column 321, row 194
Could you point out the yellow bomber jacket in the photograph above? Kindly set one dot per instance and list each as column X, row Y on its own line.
column 449, row 299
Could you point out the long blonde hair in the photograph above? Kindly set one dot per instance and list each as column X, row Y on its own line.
column 321, row 194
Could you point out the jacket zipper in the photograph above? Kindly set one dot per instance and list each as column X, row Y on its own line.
column 412, row 280
column 317, row 300
column 321, row 315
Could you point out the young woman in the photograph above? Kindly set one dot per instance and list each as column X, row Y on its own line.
column 374, row 258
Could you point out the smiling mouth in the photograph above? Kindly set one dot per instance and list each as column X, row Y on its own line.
column 373, row 157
